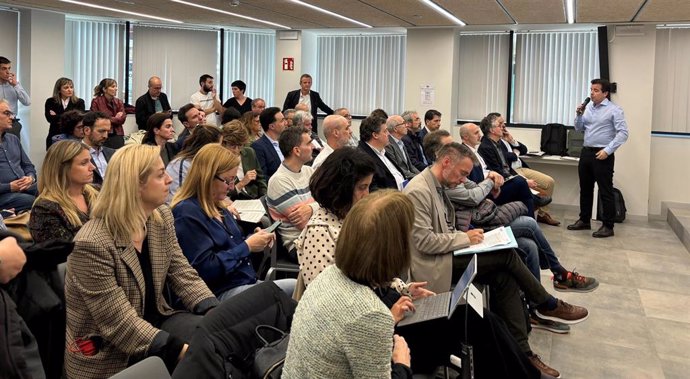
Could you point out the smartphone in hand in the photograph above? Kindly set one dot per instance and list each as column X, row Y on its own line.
column 273, row 227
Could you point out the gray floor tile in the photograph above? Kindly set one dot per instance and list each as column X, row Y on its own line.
column 665, row 305
column 670, row 338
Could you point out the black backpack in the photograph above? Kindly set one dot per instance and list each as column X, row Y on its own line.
column 553, row 139
column 618, row 200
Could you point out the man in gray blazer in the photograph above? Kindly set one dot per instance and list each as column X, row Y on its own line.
column 395, row 151
column 434, row 239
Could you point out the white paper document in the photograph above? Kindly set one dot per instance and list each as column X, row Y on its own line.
column 250, row 210
column 500, row 238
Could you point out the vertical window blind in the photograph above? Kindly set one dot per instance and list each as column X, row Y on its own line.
column 552, row 74
column 361, row 73
column 94, row 51
column 250, row 57
column 671, row 109
column 483, row 75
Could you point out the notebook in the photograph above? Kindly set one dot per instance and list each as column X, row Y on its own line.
column 443, row 304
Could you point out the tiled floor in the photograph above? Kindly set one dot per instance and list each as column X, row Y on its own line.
column 639, row 323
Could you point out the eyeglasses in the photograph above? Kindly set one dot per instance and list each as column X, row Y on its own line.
column 227, row 182
column 8, row 114
column 401, row 124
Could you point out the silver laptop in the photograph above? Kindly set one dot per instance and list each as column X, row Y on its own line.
column 443, row 304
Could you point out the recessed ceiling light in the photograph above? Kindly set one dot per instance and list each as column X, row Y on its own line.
column 444, row 12
column 570, row 11
column 230, row 13
column 314, row 7
column 122, row 11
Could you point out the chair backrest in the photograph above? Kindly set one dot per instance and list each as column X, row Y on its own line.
column 149, row 368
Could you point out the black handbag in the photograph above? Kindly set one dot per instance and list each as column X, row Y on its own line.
column 269, row 359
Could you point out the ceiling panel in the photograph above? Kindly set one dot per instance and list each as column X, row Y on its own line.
column 477, row 12
column 536, row 11
column 665, row 11
column 411, row 11
column 362, row 12
column 607, row 11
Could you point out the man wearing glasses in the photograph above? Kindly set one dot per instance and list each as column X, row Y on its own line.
column 17, row 173
column 395, row 150
column 12, row 91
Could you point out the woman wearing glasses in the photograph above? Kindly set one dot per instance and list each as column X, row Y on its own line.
column 250, row 183
column 208, row 234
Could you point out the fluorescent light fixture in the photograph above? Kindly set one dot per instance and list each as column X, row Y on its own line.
column 444, row 12
column 314, row 7
column 570, row 11
column 121, row 11
column 230, row 14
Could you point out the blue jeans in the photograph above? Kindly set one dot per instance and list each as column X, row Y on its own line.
column 287, row 285
column 20, row 201
column 532, row 241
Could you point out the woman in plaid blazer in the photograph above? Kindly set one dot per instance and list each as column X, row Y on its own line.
column 123, row 259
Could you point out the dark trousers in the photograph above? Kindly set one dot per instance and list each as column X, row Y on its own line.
column 506, row 274
column 516, row 189
column 496, row 353
column 592, row 170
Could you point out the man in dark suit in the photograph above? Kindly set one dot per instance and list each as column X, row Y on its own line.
column 151, row 102
column 307, row 96
column 373, row 136
column 413, row 141
column 395, row 150
column 96, row 129
column 267, row 150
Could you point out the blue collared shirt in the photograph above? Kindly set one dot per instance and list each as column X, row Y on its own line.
column 276, row 147
column 14, row 163
column 14, row 94
column 99, row 160
column 604, row 126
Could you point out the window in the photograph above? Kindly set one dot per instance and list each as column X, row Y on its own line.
column 94, row 51
column 250, row 57
column 552, row 75
column 178, row 56
column 361, row 72
column 483, row 74
column 671, row 111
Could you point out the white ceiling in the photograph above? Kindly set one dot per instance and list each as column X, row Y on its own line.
column 382, row 13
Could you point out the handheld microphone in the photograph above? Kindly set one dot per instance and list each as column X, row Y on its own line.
column 582, row 107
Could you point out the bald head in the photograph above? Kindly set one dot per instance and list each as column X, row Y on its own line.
column 155, row 86
column 336, row 129
column 396, row 126
column 470, row 134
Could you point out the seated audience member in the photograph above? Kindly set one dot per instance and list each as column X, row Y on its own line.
column 105, row 100
column 413, row 140
column 249, row 182
column 337, row 186
column 17, row 173
column 63, row 100
column 303, row 119
column 258, row 106
column 71, row 127
column 153, row 101
column 190, row 116
column 159, row 130
column 354, row 141
column 208, row 234
column 395, row 150
column 66, row 193
column 435, row 238
column 288, row 197
column 344, row 300
column 267, row 149
column 338, row 134
column 123, row 260
column 178, row 167
column 515, row 189
column 96, row 130
column 238, row 101
column 18, row 347
column 378, row 112
column 512, row 149
column 251, row 122
column 374, row 139
column 230, row 114
column 289, row 114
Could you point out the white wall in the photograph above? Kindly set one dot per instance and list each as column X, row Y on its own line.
column 8, row 42
column 669, row 178
column 287, row 81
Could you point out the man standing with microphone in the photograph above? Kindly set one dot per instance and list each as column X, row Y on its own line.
column 605, row 131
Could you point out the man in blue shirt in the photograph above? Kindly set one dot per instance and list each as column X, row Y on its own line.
column 13, row 92
column 605, row 131
column 17, row 173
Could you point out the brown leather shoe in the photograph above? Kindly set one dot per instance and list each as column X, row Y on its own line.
column 541, row 366
column 565, row 313
column 545, row 218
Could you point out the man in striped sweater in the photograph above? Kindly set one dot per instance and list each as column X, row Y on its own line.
column 288, row 197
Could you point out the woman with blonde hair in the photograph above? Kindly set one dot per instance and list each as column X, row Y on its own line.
column 252, row 125
column 208, row 234
column 123, row 259
column 250, row 182
column 105, row 100
column 66, row 194
column 63, row 100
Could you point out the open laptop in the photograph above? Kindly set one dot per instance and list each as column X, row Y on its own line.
column 443, row 304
